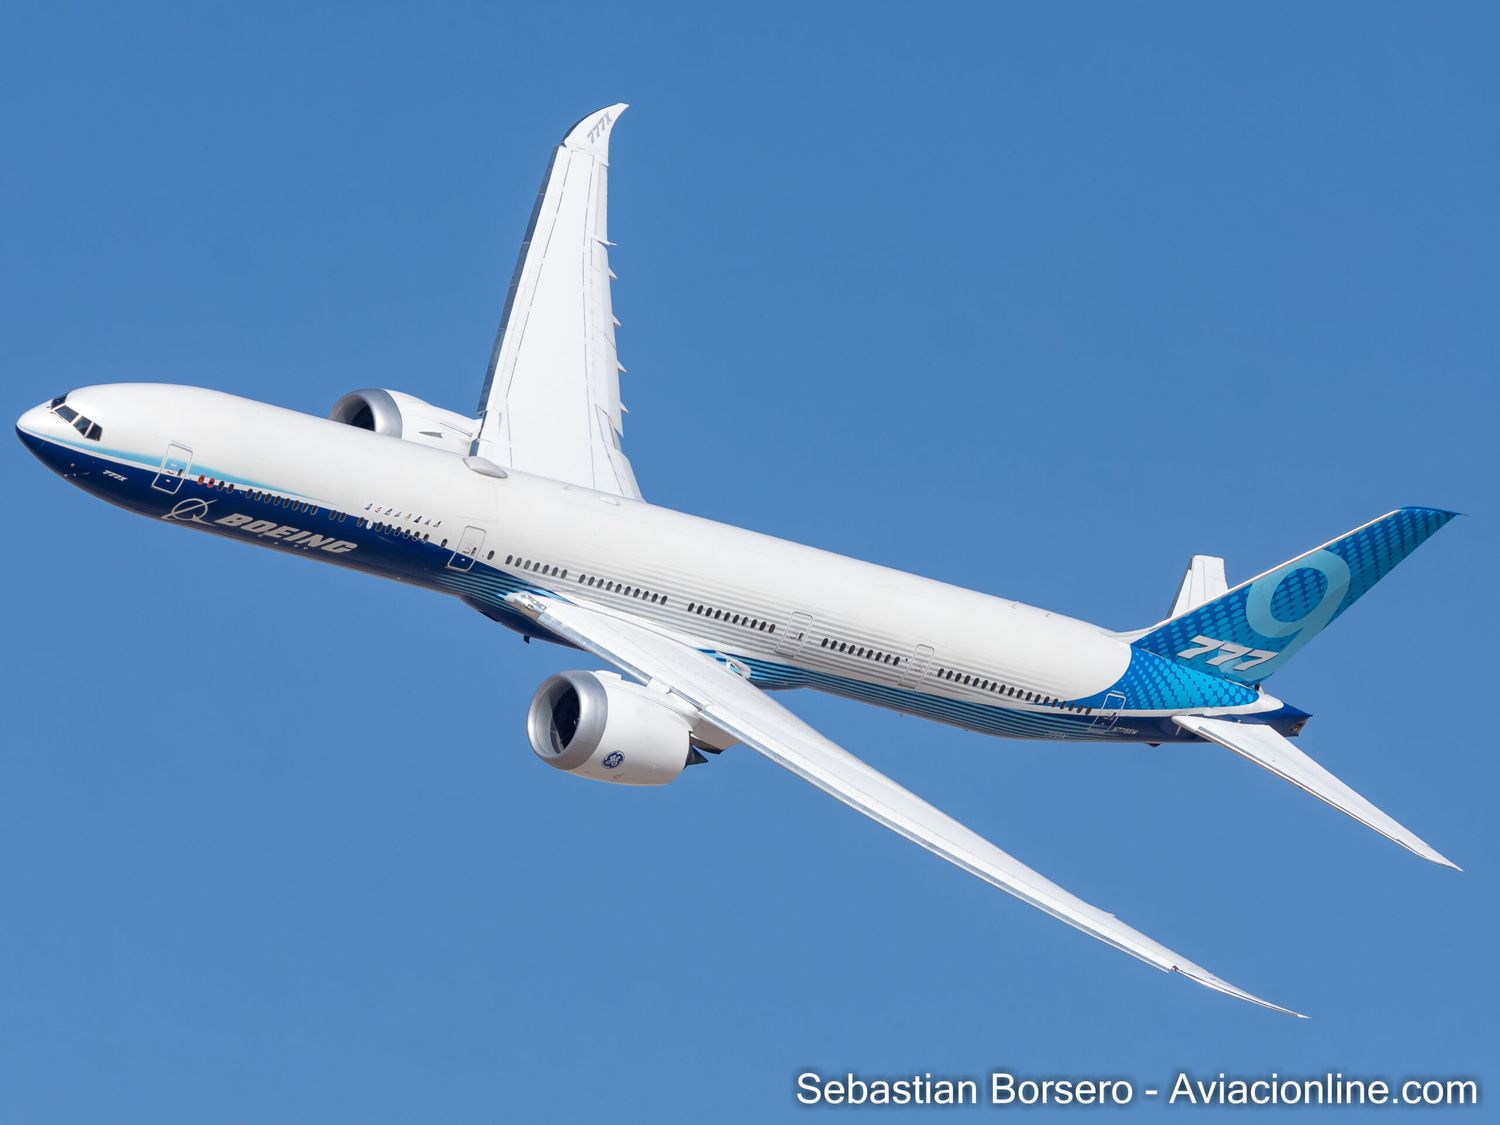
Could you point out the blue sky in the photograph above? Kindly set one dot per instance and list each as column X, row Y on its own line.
column 1038, row 300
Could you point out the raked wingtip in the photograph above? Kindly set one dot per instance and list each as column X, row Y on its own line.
column 591, row 135
column 1422, row 848
column 1208, row 980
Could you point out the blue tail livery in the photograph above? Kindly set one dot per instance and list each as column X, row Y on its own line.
column 1251, row 632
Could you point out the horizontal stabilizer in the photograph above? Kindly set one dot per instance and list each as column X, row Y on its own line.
column 1203, row 582
column 1270, row 750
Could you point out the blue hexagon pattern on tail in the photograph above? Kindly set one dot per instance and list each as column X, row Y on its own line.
column 1251, row 632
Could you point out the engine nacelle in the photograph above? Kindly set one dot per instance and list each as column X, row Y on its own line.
column 596, row 725
column 406, row 417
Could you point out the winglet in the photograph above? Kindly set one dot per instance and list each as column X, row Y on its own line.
column 591, row 135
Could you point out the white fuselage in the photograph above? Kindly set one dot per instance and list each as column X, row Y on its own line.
column 788, row 614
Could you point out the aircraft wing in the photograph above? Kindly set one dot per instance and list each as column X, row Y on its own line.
column 1272, row 751
column 742, row 710
column 551, row 398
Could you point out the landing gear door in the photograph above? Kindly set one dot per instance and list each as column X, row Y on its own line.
column 468, row 549
column 175, row 464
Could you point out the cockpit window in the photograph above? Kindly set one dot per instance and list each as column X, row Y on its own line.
column 89, row 429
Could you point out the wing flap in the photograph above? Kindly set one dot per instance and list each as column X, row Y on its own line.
column 751, row 716
column 1274, row 752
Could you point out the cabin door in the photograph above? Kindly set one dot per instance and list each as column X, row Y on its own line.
column 793, row 634
column 1109, row 711
column 175, row 464
column 915, row 666
column 468, row 549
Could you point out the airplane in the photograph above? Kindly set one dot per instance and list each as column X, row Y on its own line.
column 530, row 513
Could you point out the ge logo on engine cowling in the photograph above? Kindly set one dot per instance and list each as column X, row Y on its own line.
column 613, row 759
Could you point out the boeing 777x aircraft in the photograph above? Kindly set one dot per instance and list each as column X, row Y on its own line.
column 531, row 514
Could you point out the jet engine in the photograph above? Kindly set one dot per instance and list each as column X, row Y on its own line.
column 596, row 725
column 406, row 417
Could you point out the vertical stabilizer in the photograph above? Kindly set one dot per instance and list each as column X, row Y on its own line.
column 1250, row 632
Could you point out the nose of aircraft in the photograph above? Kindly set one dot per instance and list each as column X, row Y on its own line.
column 31, row 422
column 39, row 430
